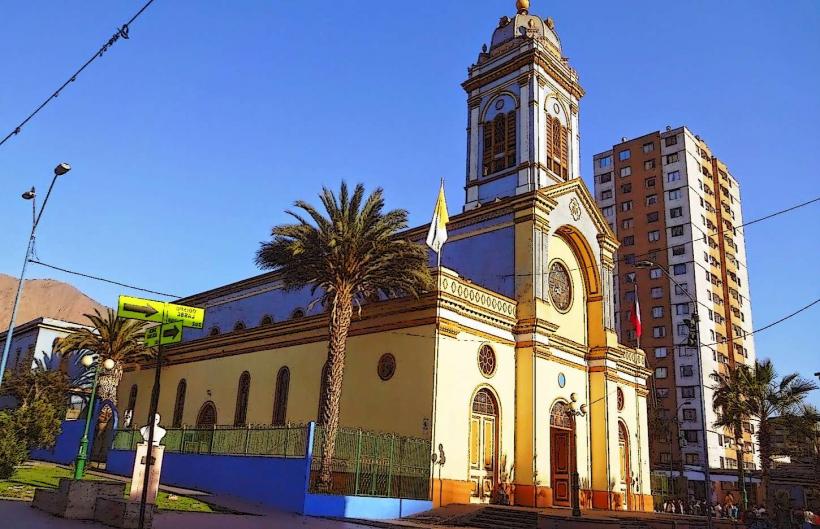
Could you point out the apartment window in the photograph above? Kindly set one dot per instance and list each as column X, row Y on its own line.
column 676, row 231
column 661, row 372
column 624, row 155
column 679, row 250
column 606, row 194
column 606, row 177
column 629, row 277
column 681, row 309
column 692, row 459
column 648, row 147
column 606, row 161
column 626, row 206
column 626, row 188
column 683, row 329
column 608, row 211
column 659, row 331
column 629, row 296
column 657, row 312
column 626, row 171
column 629, row 240
column 649, row 182
column 651, row 200
column 648, row 165
column 681, row 289
column 675, row 194
column 676, row 212
column 657, row 292
column 679, row 269
column 661, row 352
column 654, row 235
column 655, row 273
column 671, row 140
column 689, row 414
column 687, row 392
column 691, row 436
column 666, row 457
column 629, row 258
column 673, row 176
column 672, row 158
column 662, row 393
column 626, row 224
column 686, row 371
column 652, row 217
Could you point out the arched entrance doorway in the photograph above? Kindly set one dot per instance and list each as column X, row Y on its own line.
column 626, row 471
column 483, row 445
column 200, row 440
column 562, row 452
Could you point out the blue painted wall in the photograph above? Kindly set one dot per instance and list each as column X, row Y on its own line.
column 363, row 506
column 487, row 259
column 501, row 188
column 275, row 481
column 65, row 449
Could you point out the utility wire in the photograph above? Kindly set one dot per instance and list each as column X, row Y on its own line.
column 692, row 241
column 122, row 32
column 104, row 280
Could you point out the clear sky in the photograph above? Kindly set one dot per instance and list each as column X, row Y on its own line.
column 189, row 140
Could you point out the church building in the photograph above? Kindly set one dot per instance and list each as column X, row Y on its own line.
column 511, row 365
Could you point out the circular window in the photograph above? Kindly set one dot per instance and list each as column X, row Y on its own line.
column 387, row 366
column 486, row 360
column 562, row 380
column 560, row 286
column 620, row 395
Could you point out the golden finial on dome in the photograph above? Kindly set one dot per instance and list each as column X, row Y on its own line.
column 522, row 5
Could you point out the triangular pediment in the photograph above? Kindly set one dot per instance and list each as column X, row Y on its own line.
column 578, row 188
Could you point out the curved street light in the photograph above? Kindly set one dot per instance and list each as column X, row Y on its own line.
column 60, row 170
column 82, row 454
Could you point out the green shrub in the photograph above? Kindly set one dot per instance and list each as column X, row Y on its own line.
column 12, row 450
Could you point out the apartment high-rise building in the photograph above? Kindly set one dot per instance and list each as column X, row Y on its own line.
column 673, row 203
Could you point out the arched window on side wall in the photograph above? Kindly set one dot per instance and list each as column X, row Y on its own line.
column 179, row 404
column 214, row 331
column 240, row 417
column 323, row 390
column 238, row 326
column 267, row 319
column 499, row 143
column 280, row 400
column 206, row 418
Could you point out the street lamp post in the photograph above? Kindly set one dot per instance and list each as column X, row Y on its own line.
column 676, row 420
column 60, row 170
column 694, row 328
column 575, row 480
column 82, row 453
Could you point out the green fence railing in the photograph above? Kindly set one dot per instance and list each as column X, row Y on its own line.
column 275, row 441
column 375, row 464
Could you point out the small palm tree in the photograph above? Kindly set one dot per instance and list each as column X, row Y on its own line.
column 110, row 337
column 757, row 394
column 347, row 255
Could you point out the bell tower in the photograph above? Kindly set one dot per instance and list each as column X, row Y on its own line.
column 522, row 101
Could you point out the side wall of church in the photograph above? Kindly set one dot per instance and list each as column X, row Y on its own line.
column 367, row 401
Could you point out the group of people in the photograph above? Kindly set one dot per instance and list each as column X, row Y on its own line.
column 698, row 508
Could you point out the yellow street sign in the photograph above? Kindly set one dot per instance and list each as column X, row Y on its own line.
column 171, row 333
column 152, row 336
column 140, row 309
column 188, row 316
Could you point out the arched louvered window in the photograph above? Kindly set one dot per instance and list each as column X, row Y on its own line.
column 132, row 398
column 557, row 142
column 214, row 331
column 238, row 326
column 499, row 143
column 323, row 391
column 179, row 403
column 280, row 399
column 267, row 319
column 240, row 417
column 297, row 313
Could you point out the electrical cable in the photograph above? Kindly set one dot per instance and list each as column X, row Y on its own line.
column 104, row 280
column 122, row 32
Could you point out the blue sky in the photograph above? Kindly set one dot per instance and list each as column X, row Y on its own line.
column 190, row 139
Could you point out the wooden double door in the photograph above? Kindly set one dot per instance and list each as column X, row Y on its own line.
column 483, row 447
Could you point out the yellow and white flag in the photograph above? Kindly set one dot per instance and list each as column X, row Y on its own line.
column 437, row 235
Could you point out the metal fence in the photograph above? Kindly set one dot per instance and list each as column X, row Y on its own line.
column 278, row 441
column 375, row 464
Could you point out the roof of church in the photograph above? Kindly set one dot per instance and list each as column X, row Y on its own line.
column 524, row 25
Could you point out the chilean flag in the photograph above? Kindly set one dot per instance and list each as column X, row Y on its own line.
column 635, row 317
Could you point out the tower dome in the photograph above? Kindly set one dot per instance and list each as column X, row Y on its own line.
column 525, row 26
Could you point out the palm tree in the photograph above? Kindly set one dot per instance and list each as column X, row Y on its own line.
column 755, row 393
column 729, row 402
column 110, row 337
column 347, row 255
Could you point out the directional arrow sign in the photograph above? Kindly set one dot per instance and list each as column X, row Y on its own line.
column 188, row 316
column 140, row 309
column 152, row 336
column 171, row 333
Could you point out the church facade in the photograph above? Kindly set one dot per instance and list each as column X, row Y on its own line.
column 510, row 365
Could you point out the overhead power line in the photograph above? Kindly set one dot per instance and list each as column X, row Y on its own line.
column 104, row 280
column 122, row 33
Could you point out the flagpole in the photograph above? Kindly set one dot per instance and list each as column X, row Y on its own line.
column 436, row 330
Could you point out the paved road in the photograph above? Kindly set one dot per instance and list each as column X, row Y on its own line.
column 19, row 515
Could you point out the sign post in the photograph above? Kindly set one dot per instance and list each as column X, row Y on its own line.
column 171, row 319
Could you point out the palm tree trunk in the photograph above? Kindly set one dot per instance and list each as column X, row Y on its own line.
column 764, row 438
column 340, row 316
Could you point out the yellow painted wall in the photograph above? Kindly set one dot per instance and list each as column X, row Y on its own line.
column 398, row 405
column 573, row 323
